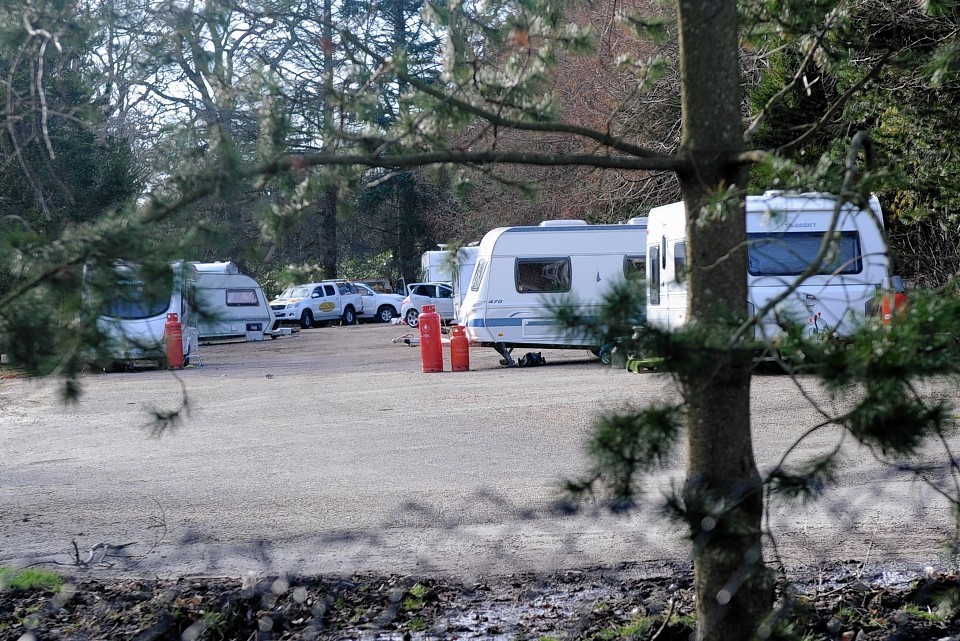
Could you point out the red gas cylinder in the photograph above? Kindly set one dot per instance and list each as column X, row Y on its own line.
column 893, row 303
column 173, row 338
column 431, row 347
column 459, row 351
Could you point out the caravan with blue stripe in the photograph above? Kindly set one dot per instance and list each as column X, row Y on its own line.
column 524, row 275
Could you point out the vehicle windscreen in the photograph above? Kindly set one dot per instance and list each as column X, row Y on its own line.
column 295, row 292
column 791, row 253
column 135, row 298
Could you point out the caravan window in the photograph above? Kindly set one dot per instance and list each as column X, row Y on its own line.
column 791, row 253
column 543, row 275
column 478, row 274
column 680, row 262
column 134, row 297
column 654, row 296
column 242, row 298
column 634, row 266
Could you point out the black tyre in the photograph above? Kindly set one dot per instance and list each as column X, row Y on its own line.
column 306, row 319
column 349, row 316
column 412, row 317
column 606, row 354
column 386, row 314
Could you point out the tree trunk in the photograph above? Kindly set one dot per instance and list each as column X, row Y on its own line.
column 328, row 232
column 722, row 492
column 328, row 207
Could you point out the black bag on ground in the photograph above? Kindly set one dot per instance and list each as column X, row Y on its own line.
column 531, row 359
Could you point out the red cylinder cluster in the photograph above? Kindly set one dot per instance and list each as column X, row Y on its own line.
column 431, row 347
column 173, row 341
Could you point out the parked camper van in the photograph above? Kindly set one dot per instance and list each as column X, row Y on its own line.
column 228, row 304
column 784, row 233
column 435, row 266
column 523, row 274
column 134, row 308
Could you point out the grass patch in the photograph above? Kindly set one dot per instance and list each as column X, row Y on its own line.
column 29, row 579
column 638, row 628
column 922, row 613
column 416, row 599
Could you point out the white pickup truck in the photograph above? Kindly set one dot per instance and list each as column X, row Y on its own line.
column 315, row 303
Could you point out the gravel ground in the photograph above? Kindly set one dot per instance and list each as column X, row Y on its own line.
column 330, row 454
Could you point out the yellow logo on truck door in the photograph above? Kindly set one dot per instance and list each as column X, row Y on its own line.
column 327, row 306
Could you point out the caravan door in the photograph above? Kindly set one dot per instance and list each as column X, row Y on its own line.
column 666, row 266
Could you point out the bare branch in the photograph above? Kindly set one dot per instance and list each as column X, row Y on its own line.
column 604, row 138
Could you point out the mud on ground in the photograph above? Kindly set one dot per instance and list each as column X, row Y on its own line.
column 592, row 604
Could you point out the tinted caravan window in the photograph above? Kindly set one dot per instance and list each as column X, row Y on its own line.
column 654, row 276
column 135, row 298
column 242, row 298
column 791, row 253
column 478, row 274
column 634, row 266
column 543, row 274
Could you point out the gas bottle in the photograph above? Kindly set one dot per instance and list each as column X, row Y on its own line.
column 891, row 305
column 431, row 347
column 173, row 338
column 459, row 350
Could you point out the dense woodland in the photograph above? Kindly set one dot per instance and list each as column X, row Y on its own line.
column 109, row 103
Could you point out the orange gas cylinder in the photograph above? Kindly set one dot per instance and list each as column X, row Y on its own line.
column 891, row 304
column 431, row 347
column 459, row 351
column 173, row 338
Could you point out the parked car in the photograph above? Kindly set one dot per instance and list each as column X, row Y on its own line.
column 316, row 302
column 377, row 306
column 439, row 295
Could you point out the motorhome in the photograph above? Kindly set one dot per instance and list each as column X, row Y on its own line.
column 228, row 304
column 524, row 274
column 785, row 232
column 437, row 266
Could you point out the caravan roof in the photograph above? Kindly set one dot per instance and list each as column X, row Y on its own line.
column 219, row 267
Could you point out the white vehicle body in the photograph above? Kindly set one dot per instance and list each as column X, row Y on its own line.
column 466, row 262
column 228, row 304
column 436, row 266
column 134, row 312
column 784, row 232
column 440, row 295
column 523, row 274
column 312, row 303
column 378, row 306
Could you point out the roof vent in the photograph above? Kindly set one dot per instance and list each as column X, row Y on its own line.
column 562, row 223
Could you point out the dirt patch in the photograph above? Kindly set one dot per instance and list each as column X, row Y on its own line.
column 588, row 604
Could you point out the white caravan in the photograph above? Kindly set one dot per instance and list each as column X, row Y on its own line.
column 133, row 311
column 523, row 274
column 785, row 232
column 227, row 304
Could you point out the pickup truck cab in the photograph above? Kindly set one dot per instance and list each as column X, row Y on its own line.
column 314, row 303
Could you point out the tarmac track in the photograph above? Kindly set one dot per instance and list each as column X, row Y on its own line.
column 331, row 452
